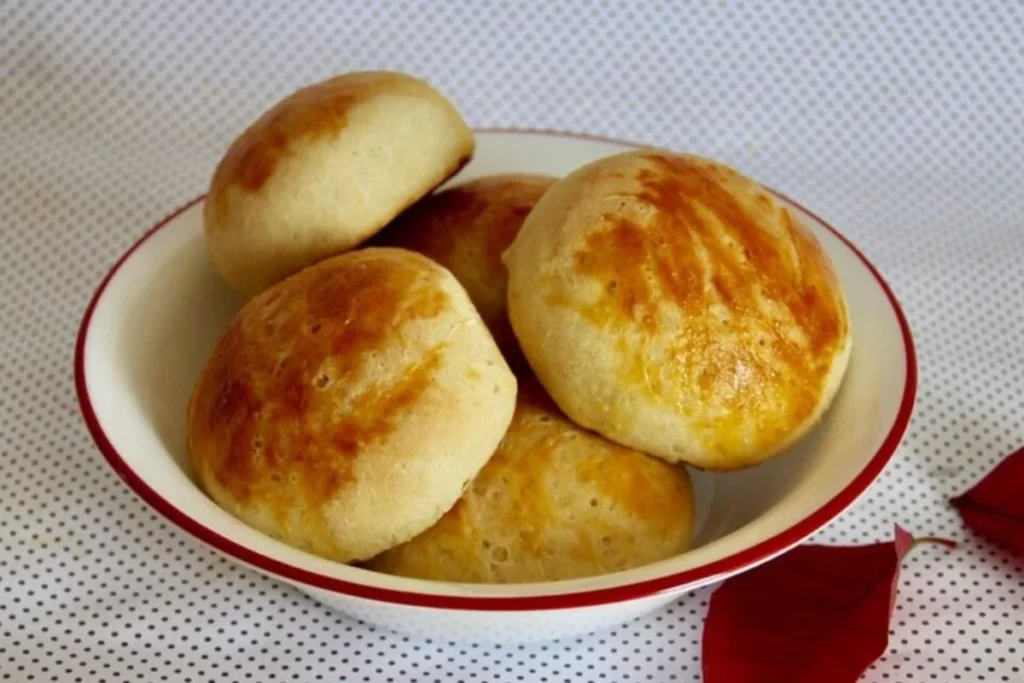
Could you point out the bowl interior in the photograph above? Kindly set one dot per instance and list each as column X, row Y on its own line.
column 163, row 308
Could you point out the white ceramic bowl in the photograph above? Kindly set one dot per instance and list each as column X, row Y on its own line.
column 155, row 318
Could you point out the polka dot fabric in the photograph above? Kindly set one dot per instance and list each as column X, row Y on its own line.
column 899, row 122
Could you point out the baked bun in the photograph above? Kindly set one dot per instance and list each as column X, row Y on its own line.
column 344, row 409
column 326, row 168
column 466, row 229
column 672, row 305
column 554, row 502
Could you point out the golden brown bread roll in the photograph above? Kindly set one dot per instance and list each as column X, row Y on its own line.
column 554, row 502
column 345, row 408
column 672, row 305
column 326, row 168
column 466, row 229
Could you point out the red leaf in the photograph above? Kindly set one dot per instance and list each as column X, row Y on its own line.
column 816, row 614
column 995, row 506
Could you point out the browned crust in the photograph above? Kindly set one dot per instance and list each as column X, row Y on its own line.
column 317, row 111
column 482, row 216
column 654, row 251
column 520, row 486
column 467, row 228
column 274, row 415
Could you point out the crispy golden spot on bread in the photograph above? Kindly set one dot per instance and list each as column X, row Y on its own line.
column 471, row 224
column 755, row 301
column 553, row 502
column 277, row 392
column 317, row 111
column 467, row 228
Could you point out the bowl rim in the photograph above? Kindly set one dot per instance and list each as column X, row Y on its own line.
column 649, row 588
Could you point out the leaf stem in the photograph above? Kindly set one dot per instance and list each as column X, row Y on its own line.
column 945, row 542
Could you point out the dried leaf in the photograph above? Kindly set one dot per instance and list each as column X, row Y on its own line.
column 816, row 614
column 995, row 506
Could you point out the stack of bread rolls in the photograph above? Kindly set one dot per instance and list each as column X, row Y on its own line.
column 505, row 379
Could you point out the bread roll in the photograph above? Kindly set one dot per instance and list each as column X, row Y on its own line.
column 554, row 502
column 672, row 305
column 344, row 409
column 326, row 168
column 466, row 228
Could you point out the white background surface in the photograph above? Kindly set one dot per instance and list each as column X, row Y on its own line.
column 901, row 123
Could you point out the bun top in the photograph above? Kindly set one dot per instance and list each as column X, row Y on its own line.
column 467, row 228
column 312, row 408
column 707, row 298
column 554, row 502
column 318, row 111
column 326, row 168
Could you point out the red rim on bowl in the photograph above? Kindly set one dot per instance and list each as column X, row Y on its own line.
column 588, row 598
